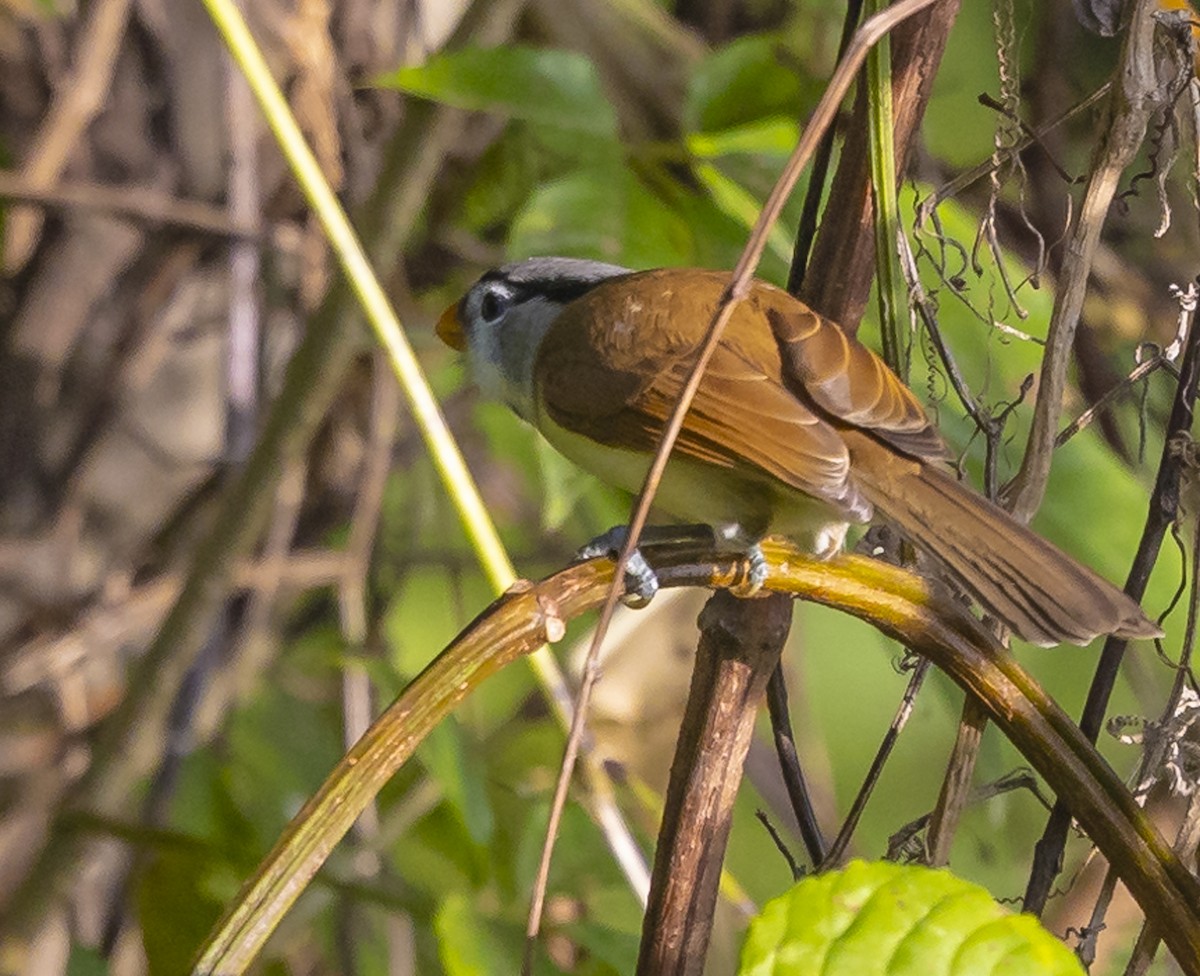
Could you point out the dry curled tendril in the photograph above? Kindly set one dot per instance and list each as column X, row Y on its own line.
column 1172, row 747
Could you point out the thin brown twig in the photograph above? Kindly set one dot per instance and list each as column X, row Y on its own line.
column 789, row 766
column 866, row 37
column 143, row 203
column 1032, row 136
column 956, row 783
column 1162, row 359
column 837, row 851
column 901, row 843
column 780, row 844
column 1081, row 422
column 955, row 186
column 79, row 97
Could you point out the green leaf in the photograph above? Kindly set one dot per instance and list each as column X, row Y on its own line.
column 424, row 614
column 503, row 178
column 604, row 213
column 467, row 944
column 174, row 913
column 459, row 770
column 277, row 769
column 897, row 920
column 548, row 87
column 85, row 961
column 739, row 204
column 580, row 215
column 745, row 80
column 776, row 136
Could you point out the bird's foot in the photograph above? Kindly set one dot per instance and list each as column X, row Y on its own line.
column 756, row 572
column 734, row 539
column 641, row 582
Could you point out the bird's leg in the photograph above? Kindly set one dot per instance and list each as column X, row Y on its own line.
column 641, row 582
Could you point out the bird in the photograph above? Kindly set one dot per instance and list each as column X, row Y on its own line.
column 797, row 429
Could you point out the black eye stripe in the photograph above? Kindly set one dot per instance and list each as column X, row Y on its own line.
column 560, row 289
column 567, row 291
column 494, row 303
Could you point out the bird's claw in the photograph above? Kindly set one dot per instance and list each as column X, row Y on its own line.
column 756, row 572
column 641, row 582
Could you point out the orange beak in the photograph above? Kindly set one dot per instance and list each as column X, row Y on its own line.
column 449, row 329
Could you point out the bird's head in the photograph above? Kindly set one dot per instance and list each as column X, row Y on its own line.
column 501, row 320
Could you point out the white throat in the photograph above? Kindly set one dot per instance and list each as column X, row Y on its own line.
column 501, row 359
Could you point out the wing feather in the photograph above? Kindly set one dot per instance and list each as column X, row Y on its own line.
column 846, row 380
column 613, row 371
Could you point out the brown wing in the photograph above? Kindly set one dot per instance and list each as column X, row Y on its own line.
column 612, row 367
column 845, row 379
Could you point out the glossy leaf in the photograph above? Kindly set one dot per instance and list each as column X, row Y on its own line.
column 897, row 920
column 558, row 88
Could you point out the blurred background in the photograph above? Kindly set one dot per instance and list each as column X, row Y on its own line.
column 158, row 268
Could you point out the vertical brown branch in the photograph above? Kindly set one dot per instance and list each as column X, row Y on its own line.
column 838, row 281
column 1135, row 96
column 740, row 644
column 956, row 785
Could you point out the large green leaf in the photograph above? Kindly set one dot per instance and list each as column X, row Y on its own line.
column 605, row 213
column 558, row 88
column 750, row 78
column 897, row 920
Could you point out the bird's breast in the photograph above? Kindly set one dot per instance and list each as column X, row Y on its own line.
column 724, row 496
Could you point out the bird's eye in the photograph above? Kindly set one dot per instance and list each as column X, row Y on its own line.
column 494, row 305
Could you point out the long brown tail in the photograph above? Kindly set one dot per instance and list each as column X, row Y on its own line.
column 1039, row 591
